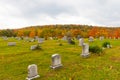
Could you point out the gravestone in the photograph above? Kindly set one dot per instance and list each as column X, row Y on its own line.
column 109, row 46
column 85, row 50
column 101, row 38
column 5, row 37
column 33, row 47
column 56, row 61
column 11, row 43
column 81, row 41
column 64, row 38
column 91, row 39
column 70, row 41
column 36, row 37
column 32, row 72
column 78, row 37
column 32, row 40
column 41, row 40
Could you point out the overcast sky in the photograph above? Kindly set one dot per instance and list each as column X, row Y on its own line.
column 22, row 13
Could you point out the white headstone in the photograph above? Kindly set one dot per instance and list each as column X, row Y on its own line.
column 64, row 38
column 11, row 43
column 109, row 46
column 91, row 39
column 32, row 72
column 41, row 40
column 101, row 37
column 81, row 41
column 56, row 61
column 33, row 47
column 5, row 37
column 85, row 50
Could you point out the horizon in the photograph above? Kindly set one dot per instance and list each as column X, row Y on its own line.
column 24, row 13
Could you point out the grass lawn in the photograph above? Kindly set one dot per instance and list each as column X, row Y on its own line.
column 14, row 61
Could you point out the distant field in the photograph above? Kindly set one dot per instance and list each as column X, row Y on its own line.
column 14, row 61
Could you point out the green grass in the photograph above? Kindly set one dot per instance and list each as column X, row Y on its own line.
column 14, row 61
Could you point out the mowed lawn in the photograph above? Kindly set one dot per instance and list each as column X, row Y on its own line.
column 14, row 61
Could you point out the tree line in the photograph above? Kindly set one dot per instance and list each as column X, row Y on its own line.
column 62, row 30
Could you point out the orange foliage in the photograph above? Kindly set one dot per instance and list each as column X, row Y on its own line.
column 32, row 34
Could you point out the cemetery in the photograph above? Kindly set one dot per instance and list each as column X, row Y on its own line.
column 54, row 62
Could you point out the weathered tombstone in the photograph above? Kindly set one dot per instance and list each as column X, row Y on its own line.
column 32, row 72
column 32, row 40
column 85, row 50
column 41, row 40
column 11, row 43
column 5, row 37
column 109, row 46
column 101, row 37
column 70, row 41
column 26, row 38
column 78, row 37
column 33, row 47
column 36, row 37
column 91, row 39
column 81, row 41
column 56, row 61
column 64, row 38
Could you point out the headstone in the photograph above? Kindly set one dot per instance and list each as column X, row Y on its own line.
column 85, row 50
column 81, row 41
column 78, row 37
column 56, row 61
column 5, row 37
column 109, row 46
column 64, row 38
column 32, row 40
column 33, row 47
column 101, row 37
column 36, row 37
column 11, row 43
column 70, row 41
column 91, row 39
column 41, row 40
column 32, row 72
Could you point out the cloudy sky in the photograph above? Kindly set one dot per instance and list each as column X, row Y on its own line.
column 22, row 13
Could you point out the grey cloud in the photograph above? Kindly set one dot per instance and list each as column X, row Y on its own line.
column 101, row 12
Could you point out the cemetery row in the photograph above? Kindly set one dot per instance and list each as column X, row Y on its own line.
column 56, row 58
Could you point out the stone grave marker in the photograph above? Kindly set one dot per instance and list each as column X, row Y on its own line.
column 101, row 38
column 41, row 40
column 81, row 41
column 70, row 41
column 64, row 38
column 109, row 46
column 11, row 43
column 91, row 39
column 33, row 47
column 5, row 37
column 85, row 50
column 32, row 72
column 56, row 61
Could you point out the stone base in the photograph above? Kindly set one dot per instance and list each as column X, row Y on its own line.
column 56, row 66
column 33, row 77
column 85, row 55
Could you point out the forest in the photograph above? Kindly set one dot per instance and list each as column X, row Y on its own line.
column 59, row 31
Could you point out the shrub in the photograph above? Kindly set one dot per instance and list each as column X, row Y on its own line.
column 105, row 44
column 95, row 49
